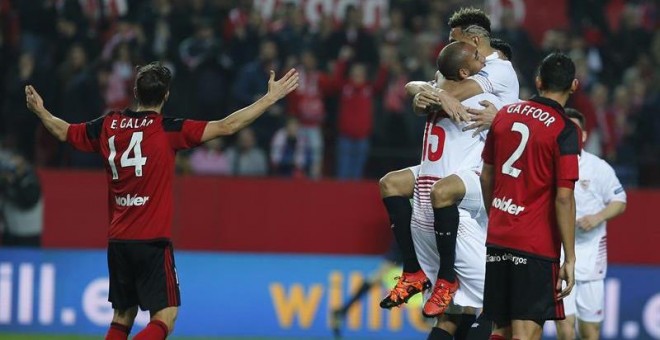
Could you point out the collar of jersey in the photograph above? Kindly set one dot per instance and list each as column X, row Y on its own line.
column 137, row 114
column 548, row 102
column 493, row 56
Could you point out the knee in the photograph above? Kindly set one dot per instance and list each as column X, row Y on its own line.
column 393, row 185
column 125, row 316
column 565, row 331
column 442, row 196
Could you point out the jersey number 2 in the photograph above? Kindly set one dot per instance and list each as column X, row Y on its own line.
column 507, row 167
column 137, row 161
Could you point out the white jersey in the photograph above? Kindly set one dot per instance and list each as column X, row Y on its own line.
column 446, row 149
column 596, row 188
column 499, row 78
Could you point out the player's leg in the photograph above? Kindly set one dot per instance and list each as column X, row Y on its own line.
column 527, row 329
column 444, row 197
column 590, row 302
column 396, row 189
column 122, row 322
column 566, row 327
column 158, row 288
column 534, row 296
column 445, row 327
column 122, row 294
column 498, row 293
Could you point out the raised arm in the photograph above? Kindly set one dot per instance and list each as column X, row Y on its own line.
column 245, row 116
column 56, row 126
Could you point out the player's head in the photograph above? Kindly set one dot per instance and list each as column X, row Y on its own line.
column 578, row 118
column 556, row 74
column 503, row 47
column 459, row 60
column 152, row 84
column 464, row 18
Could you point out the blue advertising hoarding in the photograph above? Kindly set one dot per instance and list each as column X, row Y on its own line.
column 65, row 292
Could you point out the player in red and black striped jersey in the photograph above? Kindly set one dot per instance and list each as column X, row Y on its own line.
column 139, row 147
column 530, row 168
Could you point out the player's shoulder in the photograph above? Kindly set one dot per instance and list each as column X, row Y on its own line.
column 172, row 124
column 597, row 162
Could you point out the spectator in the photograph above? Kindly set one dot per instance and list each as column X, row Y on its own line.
column 21, row 125
column 21, row 202
column 307, row 105
column 355, row 114
column 246, row 158
column 251, row 84
column 289, row 151
column 210, row 159
column 353, row 34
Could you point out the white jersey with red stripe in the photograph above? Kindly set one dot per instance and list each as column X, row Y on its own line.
column 446, row 150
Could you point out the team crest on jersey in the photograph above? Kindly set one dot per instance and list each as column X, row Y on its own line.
column 584, row 183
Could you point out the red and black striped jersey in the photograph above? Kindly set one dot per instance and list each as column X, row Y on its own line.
column 139, row 150
column 533, row 148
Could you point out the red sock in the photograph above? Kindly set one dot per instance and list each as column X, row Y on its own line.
column 155, row 330
column 117, row 331
column 496, row 337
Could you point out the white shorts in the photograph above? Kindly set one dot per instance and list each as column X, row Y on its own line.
column 470, row 262
column 472, row 202
column 587, row 299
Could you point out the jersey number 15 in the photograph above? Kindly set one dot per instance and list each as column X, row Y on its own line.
column 125, row 161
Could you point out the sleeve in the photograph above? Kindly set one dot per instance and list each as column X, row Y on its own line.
column 183, row 133
column 85, row 136
column 612, row 190
column 566, row 156
column 494, row 78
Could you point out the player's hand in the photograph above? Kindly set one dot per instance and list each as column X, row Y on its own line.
column 425, row 99
column 454, row 109
column 588, row 222
column 566, row 274
column 278, row 89
column 33, row 100
column 481, row 118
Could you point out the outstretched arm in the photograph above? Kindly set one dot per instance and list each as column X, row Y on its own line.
column 56, row 126
column 245, row 116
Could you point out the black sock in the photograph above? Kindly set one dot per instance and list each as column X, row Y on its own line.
column 439, row 334
column 483, row 329
column 446, row 227
column 400, row 212
column 463, row 327
column 356, row 296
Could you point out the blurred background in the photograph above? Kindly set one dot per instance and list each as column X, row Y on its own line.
column 302, row 178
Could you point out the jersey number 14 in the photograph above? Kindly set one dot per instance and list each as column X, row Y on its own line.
column 137, row 161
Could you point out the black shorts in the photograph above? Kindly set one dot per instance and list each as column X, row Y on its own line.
column 142, row 274
column 520, row 287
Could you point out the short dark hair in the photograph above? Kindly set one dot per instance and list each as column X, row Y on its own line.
column 152, row 83
column 573, row 113
column 557, row 72
column 451, row 59
column 468, row 16
column 503, row 47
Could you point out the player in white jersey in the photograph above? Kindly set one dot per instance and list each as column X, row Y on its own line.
column 599, row 197
column 464, row 186
column 397, row 186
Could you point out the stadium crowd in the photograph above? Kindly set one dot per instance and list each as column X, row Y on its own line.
column 349, row 119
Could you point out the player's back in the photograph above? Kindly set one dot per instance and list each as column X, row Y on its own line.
column 139, row 150
column 528, row 144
